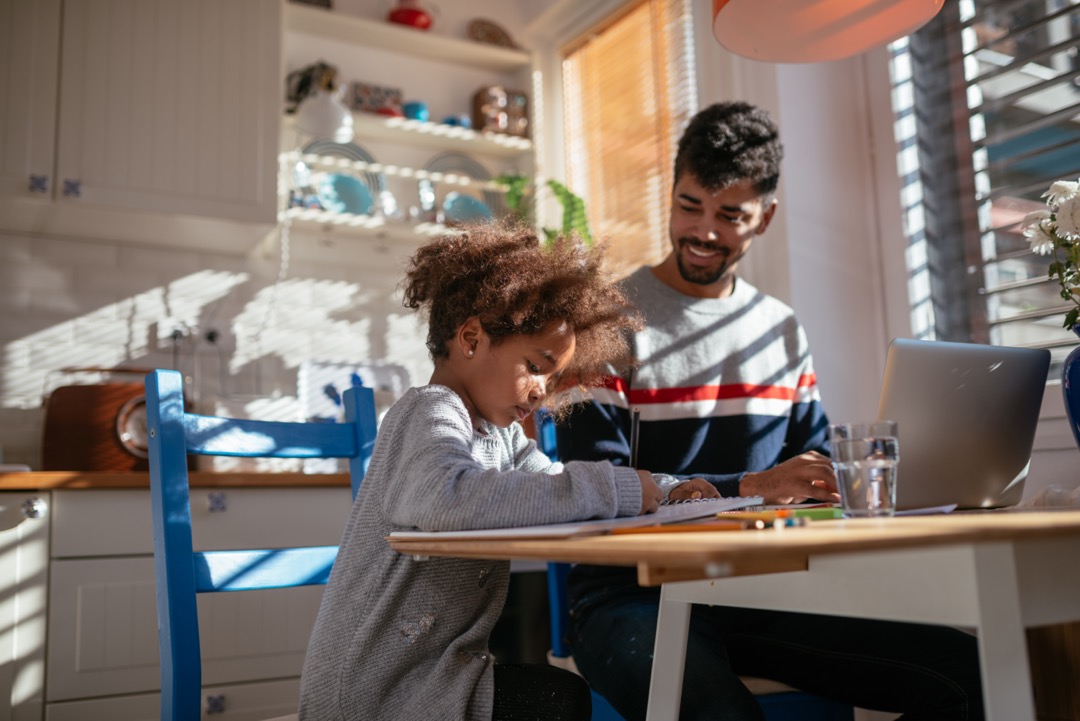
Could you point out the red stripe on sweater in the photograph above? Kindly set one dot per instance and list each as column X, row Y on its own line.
column 707, row 393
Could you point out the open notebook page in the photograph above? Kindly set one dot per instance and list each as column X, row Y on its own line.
column 685, row 511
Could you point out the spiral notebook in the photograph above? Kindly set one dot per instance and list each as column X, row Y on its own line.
column 668, row 513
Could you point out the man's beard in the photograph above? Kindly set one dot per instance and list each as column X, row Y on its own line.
column 702, row 276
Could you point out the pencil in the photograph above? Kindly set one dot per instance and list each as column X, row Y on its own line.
column 708, row 525
column 635, row 426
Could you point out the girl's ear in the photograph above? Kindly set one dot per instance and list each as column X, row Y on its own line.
column 468, row 336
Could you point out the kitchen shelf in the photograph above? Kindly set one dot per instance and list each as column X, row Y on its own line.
column 327, row 163
column 417, row 133
column 372, row 226
column 437, row 135
column 388, row 36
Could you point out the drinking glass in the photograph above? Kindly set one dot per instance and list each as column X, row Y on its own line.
column 865, row 456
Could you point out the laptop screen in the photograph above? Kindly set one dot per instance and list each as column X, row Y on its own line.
column 967, row 415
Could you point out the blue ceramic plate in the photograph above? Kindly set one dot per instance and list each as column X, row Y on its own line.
column 465, row 208
column 341, row 193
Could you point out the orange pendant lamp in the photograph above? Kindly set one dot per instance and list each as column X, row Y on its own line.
column 812, row 31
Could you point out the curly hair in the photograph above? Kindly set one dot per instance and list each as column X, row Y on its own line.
column 729, row 142
column 513, row 284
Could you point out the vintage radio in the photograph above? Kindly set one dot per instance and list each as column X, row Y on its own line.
column 96, row 426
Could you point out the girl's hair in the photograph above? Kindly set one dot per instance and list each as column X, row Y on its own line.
column 515, row 285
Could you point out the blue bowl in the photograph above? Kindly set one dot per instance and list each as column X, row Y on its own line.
column 340, row 193
column 465, row 208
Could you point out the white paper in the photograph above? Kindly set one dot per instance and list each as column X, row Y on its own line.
column 929, row 510
column 667, row 514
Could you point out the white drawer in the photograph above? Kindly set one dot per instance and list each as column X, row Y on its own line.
column 103, row 631
column 117, row 522
column 242, row 702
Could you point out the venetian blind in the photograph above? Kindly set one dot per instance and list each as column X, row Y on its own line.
column 629, row 90
column 988, row 116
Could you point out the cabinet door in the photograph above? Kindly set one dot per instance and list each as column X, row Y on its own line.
column 103, row 630
column 29, row 67
column 24, row 573
column 171, row 106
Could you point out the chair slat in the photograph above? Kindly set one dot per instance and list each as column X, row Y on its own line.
column 255, row 570
column 213, row 436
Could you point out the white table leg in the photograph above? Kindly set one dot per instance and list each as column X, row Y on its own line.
column 669, row 659
column 1006, row 676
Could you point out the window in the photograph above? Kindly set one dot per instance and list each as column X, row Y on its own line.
column 628, row 89
column 987, row 115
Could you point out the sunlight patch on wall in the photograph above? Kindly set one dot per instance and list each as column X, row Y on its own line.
column 121, row 333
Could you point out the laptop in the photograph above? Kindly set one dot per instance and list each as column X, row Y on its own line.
column 966, row 417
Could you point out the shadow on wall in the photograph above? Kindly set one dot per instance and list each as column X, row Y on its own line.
column 232, row 330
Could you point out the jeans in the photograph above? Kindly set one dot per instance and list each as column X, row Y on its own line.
column 924, row 672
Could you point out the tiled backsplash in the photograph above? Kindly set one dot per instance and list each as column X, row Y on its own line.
column 224, row 321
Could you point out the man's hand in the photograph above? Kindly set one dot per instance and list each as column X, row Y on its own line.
column 795, row 480
column 694, row 488
column 651, row 494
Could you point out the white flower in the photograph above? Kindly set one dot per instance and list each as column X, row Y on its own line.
column 1068, row 217
column 1060, row 191
column 1038, row 231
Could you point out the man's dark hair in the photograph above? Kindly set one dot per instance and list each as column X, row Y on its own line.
column 730, row 142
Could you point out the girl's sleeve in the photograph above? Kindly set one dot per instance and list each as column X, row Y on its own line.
column 439, row 486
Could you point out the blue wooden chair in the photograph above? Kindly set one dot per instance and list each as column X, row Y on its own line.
column 180, row 572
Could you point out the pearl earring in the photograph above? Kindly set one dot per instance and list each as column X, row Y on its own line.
column 469, row 352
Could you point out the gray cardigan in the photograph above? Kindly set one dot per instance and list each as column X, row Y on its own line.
column 400, row 638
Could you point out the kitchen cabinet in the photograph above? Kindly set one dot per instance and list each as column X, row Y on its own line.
column 24, row 565
column 442, row 71
column 78, row 569
column 153, row 121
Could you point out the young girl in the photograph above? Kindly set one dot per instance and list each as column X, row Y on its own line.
column 509, row 321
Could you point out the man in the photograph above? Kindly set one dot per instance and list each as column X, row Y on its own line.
column 726, row 391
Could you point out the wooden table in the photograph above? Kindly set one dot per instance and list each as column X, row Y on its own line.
column 995, row 572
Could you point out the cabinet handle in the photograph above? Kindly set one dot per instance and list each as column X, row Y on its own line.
column 216, row 502
column 35, row 507
column 72, row 188
column 39, row 183
column 215, row 704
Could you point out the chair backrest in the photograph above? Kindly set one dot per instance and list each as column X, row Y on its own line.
column 180, row 572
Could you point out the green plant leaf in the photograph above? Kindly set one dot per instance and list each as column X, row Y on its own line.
column 1071, row 318
column 574, row 218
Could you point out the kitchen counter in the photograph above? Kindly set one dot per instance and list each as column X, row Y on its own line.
column 53, row 480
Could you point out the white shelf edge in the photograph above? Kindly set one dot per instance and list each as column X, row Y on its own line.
column 324, row 162
column 371, row 226
column 367, row 126
column 387, row 36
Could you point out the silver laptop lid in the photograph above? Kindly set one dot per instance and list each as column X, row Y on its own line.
column 967, row 415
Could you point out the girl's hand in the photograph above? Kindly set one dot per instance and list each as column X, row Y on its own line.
column 692, row 489
column 651, row 494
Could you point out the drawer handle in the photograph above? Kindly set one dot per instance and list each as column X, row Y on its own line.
column 35, row 507
column 215, row 502
column 215, row 704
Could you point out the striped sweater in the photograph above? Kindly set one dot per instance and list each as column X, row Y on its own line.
column 724, row 386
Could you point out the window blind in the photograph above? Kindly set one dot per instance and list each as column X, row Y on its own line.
column 629, row 90
column 987, row 106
